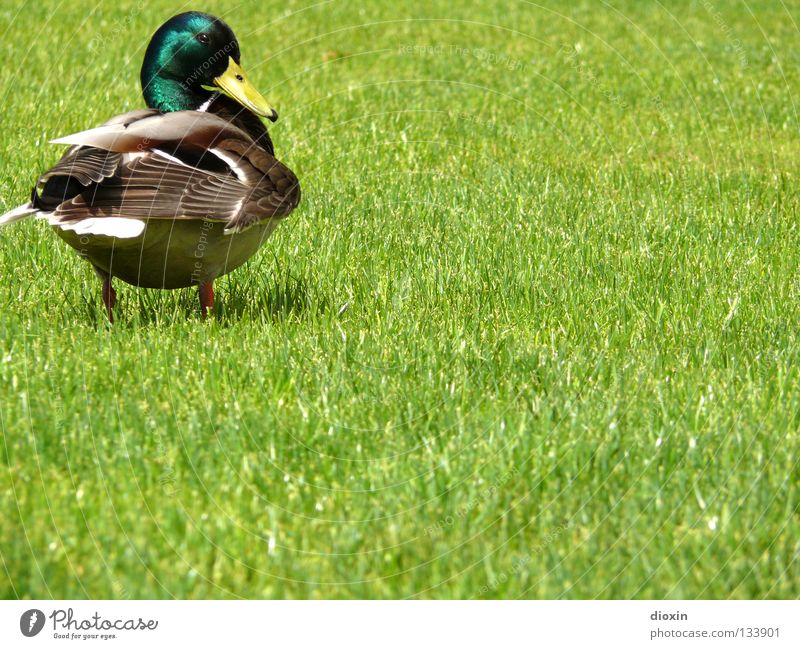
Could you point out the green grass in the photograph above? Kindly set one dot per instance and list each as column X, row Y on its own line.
column 532, row 332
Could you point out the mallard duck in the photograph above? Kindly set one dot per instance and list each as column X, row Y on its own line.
column 182, row 192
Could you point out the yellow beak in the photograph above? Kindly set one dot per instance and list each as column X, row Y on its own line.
column 235, row 84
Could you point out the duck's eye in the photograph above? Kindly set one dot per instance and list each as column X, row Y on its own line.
column 203, row 38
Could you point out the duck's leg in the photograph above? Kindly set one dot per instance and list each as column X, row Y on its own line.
column 109, row 294
column 206, row 292
column 109, row 298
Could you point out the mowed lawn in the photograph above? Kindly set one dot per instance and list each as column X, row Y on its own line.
column 531, row 333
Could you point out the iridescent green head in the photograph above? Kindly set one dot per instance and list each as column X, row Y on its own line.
column 192, row 56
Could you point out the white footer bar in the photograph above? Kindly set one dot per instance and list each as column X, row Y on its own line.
column 404, row 624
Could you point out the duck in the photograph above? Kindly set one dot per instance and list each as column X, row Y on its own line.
column 179, row 193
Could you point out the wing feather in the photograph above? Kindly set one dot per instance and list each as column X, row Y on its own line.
column 135, row 167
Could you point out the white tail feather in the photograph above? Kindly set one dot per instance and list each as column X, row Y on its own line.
column 17, row 214
column 108, row 226
column 102, row 136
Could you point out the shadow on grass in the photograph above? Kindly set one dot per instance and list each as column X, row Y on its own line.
column 287, row 297
column 242, row 297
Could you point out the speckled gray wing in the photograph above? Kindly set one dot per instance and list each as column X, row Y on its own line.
column 185, row 128
column 136, row 168
column 155, row 187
